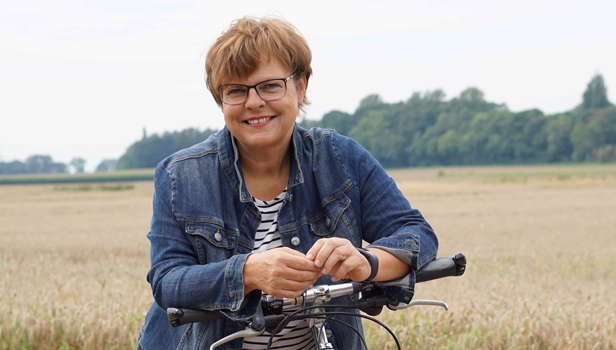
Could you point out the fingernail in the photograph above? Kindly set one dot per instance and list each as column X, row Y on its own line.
column 318, row 263
column 310, row 256
column 324, row 271
column 333, row 279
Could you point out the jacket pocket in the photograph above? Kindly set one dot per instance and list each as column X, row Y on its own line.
column 212, row 242
column 330, row 221
column 319, row 227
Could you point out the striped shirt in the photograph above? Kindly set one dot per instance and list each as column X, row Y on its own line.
column 296, row 335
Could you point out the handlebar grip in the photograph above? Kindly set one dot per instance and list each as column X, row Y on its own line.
column 442, row 267
column 178, row 317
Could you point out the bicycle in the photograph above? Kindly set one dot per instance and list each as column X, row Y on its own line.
column 270, row 318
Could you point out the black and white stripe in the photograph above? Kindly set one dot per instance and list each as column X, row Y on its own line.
column 297, row 334
column 267, row 236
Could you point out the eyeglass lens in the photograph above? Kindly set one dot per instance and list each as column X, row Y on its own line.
column 268, row 90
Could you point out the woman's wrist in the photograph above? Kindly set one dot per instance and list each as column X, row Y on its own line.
column 373, row 260
column 390, row 267
column 249, row 285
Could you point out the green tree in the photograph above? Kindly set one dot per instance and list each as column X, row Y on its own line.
column 78, row 164
column 472, row 95
column 603, row 122
column 595, row 95
column 422, row 111
column 107, row 165
column 531, row 138
column 147, row 152
column 375, row 133
column 340, row 121
column 605, row 154
column 39, row 164
column 370, row 102
column 558, row 129
column 448, row 147
column 13, row 168
column 44, row 164
column 581, row 142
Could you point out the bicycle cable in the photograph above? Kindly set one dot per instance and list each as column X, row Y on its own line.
column 328, row 315
column 319, row 316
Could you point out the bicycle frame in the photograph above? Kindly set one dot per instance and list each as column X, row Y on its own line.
column 269, row 316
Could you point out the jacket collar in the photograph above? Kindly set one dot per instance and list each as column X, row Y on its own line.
column 230, row 161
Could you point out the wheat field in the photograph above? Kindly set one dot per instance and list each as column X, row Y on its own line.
column 540, row 242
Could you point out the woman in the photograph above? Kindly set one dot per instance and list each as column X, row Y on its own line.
column 264, row 206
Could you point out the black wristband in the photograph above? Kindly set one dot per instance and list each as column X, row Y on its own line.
column 373, row 260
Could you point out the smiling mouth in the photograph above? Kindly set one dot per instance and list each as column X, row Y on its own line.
column 259, row 120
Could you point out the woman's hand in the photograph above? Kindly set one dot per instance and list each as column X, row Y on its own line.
column 279, row 272
column 339, row 258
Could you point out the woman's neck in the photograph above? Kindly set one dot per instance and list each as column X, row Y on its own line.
column 266, row 173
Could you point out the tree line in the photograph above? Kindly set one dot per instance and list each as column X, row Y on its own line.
column 428, row 130
column 44, row 164
column 425, row 130
column 150, row 150
column 36, row 164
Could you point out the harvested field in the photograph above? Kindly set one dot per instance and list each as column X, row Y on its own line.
column 539, row 240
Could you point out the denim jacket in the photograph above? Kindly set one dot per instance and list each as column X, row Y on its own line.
column 204, row 223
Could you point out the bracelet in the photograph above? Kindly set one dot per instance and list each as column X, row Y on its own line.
column 373, row 260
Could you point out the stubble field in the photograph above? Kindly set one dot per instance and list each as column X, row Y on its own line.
column 540, row 242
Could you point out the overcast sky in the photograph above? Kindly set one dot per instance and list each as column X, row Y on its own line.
column 84, row 78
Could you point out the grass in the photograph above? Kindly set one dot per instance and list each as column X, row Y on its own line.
column 547, row 175
column 82, row 188
column 73, row 265
column 116, row 176
column 541, row 275
column 560, row 171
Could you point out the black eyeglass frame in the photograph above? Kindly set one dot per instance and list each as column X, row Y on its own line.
column 248, row 87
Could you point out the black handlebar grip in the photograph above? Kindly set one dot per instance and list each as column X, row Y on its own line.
column 442, row 267
column 178, row 317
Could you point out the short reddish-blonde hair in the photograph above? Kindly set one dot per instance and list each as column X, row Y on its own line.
column 238, row 51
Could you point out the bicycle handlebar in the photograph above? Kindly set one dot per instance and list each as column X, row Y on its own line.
column 178, row 317
column 450, row 266
column 442, row 267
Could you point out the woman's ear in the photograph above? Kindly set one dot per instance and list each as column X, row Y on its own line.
column 302, row 84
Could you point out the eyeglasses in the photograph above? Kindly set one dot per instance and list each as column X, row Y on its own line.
column 268, row 90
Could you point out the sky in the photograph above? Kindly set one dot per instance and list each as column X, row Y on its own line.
column 86, row 78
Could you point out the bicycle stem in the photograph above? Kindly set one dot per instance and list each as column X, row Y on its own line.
column 323, row 293
column 320, row 295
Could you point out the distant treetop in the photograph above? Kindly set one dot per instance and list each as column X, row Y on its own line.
column 595, row 95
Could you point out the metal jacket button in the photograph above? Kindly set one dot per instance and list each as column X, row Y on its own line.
column 328, row 222
column 218, row 236
column 295, row 241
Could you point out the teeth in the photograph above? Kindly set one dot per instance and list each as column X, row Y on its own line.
column 260, row 120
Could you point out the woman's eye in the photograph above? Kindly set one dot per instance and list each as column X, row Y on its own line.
column 270, row 86
column 236, row 91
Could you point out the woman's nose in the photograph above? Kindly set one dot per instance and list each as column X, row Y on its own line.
column 253, row 100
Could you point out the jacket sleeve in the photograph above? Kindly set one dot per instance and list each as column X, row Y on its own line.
column 388, row 221
column 177, row 278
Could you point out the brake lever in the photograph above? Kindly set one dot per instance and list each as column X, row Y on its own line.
column 417, row 302
column 255, row 328
column 246, row 333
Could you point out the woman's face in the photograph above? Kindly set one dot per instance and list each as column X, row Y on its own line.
column 260, row 125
